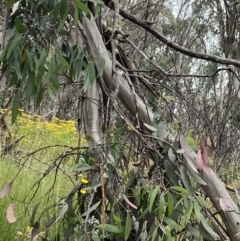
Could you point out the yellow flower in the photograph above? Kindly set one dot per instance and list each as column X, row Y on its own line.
column 84, row 181
column 28, row 229
column 83, row 191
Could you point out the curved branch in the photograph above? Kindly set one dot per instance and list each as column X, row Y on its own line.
column 163, row 39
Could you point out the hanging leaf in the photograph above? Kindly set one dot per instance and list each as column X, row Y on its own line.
column 14, row 44
column 186, row 147
column 81, row 6
column 35, row 231
column 188, row 212
column 180, row 189
column 161, row 130
column 10, row 214
column 161, row 207
column 153, row 195
column 34, row 213
column 171, row 223
column 190, row 163
column 101, row 69
column 196, row 176
column 154, row 234
column 185, row 179
column 197, row 210
column 55, row 219
column 151, row 128
column 91, row 209
column 63, row 20
column 191, row 142
column 192, row 230
column 171, row 156
column 6, row 190
column 170, row 206
column 30, row 85
column 169, row 97
column 15, row 106
column 109, row 228
column 128, row 227
column 207, row 228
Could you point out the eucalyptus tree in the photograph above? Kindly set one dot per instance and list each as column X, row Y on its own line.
column 139, row 72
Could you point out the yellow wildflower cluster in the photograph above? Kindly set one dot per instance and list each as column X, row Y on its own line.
column 39, row 132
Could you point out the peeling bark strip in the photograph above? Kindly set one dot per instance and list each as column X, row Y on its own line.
column 215, row 189
column 94, row 40
column 163, row 39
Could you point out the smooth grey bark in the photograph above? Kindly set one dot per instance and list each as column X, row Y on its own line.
column 215, row 189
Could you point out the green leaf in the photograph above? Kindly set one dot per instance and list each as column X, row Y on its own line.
column 14, row 79
column 55, row 81
column 14, row 44
column 92, row 75
column 180, row 189
column 50, row 92
column 169, row 97
column 62, row 212
column 202, row 201
column 197, row 210
column 207, row 228
column 15, row 106
column 19, row 26
column 191, row 142
column 76, row 16
column 161, row 207
column 161, row 130
column 80, row 168
column 62, row 59
column 185, row 178
column 40, row 61
column 170, row 206
column 151, row 128
column 91, row 209
column 169, row 236
column 32, row 221
column 172, row 224
column 195, row 176
column 188, row 212
column 128, row 226
column 39, row 95
column 191, row 230
column 81, row 6
column 154, row 233
column 63, row 20
column 101, row 69
column 153, row 195
column 109, row 228
column 190, row 163
column 171, row 156
column 18, row 68
column 56, row 11
column 30, row 85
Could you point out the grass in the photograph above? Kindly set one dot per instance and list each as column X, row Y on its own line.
column 26, row 171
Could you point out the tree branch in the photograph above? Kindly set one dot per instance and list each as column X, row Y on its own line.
column 163, row 39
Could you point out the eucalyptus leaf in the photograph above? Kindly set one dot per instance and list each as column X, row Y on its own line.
column 109, row 228
column 161, row 130
column 153, row 195
column 128, row 226
column 151, row 128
